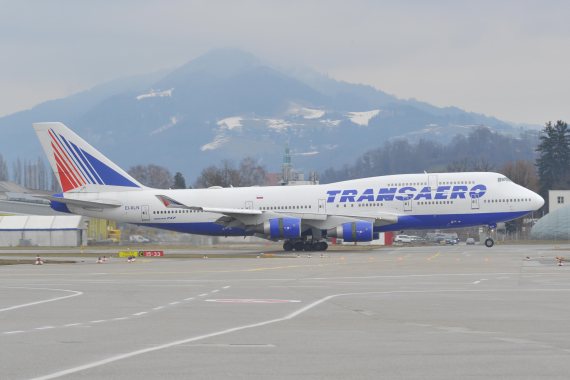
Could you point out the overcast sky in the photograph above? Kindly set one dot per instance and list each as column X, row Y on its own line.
column 509, row 59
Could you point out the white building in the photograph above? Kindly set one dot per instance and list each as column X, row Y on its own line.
column 45, row 231
column 558, row 199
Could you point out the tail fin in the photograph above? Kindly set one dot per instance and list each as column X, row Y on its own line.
column 77, row 165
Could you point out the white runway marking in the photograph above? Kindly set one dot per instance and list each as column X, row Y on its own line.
column 226, row 287
column 268, row 322
column 98, row 320
column 13, row 332
column 75, row 294
column 251, row 300
column 476, row 282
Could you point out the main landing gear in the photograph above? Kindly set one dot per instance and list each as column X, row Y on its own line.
column 489, row 242
column 305, row 245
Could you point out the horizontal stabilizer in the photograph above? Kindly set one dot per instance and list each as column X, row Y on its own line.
column 99, row 203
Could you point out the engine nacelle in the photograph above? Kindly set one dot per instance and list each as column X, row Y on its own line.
column 282, row 228
column 353, row 231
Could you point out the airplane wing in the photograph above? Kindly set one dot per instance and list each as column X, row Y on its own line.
column 252, row 217
column 96, row 203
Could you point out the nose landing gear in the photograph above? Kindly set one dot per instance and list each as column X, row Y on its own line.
column 489, row 242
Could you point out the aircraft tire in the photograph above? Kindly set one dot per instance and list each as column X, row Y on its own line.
column 489, row 242
column 287, row 246
column 322, row 246
column 299, row 246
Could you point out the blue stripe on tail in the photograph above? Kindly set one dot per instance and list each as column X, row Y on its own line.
column 107, row 175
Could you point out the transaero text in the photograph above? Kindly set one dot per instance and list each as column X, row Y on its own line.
column 406, row 193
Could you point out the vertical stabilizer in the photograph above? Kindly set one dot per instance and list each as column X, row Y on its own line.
column 77, row 165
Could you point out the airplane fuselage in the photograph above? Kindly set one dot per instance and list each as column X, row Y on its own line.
column 416, row 201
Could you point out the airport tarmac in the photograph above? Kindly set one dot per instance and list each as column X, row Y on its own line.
column 449, row 312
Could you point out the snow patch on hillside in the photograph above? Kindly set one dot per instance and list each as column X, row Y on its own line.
column 219, row 141
column 155, row 94
column 278, row 124
column 311, row 153
column 307, row 113
column 362, row 118
column 173, row 121
column 230, row 123
column 330, row 123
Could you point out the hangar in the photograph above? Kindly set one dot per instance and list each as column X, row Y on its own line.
column 40, row 230
column 556, row 224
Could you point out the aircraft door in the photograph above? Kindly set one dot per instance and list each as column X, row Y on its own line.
column 322, row 209
column 145, row 217
column 408, row 205
column 475, row 203
column 249, row 205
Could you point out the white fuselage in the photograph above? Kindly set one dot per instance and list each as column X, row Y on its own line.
column 443, row 200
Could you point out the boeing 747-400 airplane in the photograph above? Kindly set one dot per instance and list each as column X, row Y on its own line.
column 302, row 216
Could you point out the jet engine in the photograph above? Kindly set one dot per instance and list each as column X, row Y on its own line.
column 281, row 228
column 353, row 231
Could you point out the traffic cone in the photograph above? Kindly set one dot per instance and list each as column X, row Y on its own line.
column 39, row 261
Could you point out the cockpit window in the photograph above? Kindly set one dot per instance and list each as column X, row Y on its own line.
column 503, row 179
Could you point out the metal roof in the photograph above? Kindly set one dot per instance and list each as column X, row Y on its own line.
column 37, row 222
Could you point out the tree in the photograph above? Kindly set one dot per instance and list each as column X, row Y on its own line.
column 152, row 176
column 3, row 169
column 179, row 181
column 250, row 173
column 521, row 172
column 553, row 162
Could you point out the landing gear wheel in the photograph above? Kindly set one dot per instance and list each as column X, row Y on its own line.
column 489, row 243
column 288, row 246
column 322, row 246
column 299, row 246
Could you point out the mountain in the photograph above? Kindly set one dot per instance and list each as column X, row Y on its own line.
column 228, row 104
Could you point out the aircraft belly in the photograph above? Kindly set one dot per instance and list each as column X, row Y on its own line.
column 449, row 220
column 199, row 228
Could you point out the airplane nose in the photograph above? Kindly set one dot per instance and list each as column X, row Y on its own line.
column 538, row 201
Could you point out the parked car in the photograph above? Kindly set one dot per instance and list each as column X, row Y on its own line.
column 402, row 239
column 417, row 239
column 451, row 241
column 470, row 241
